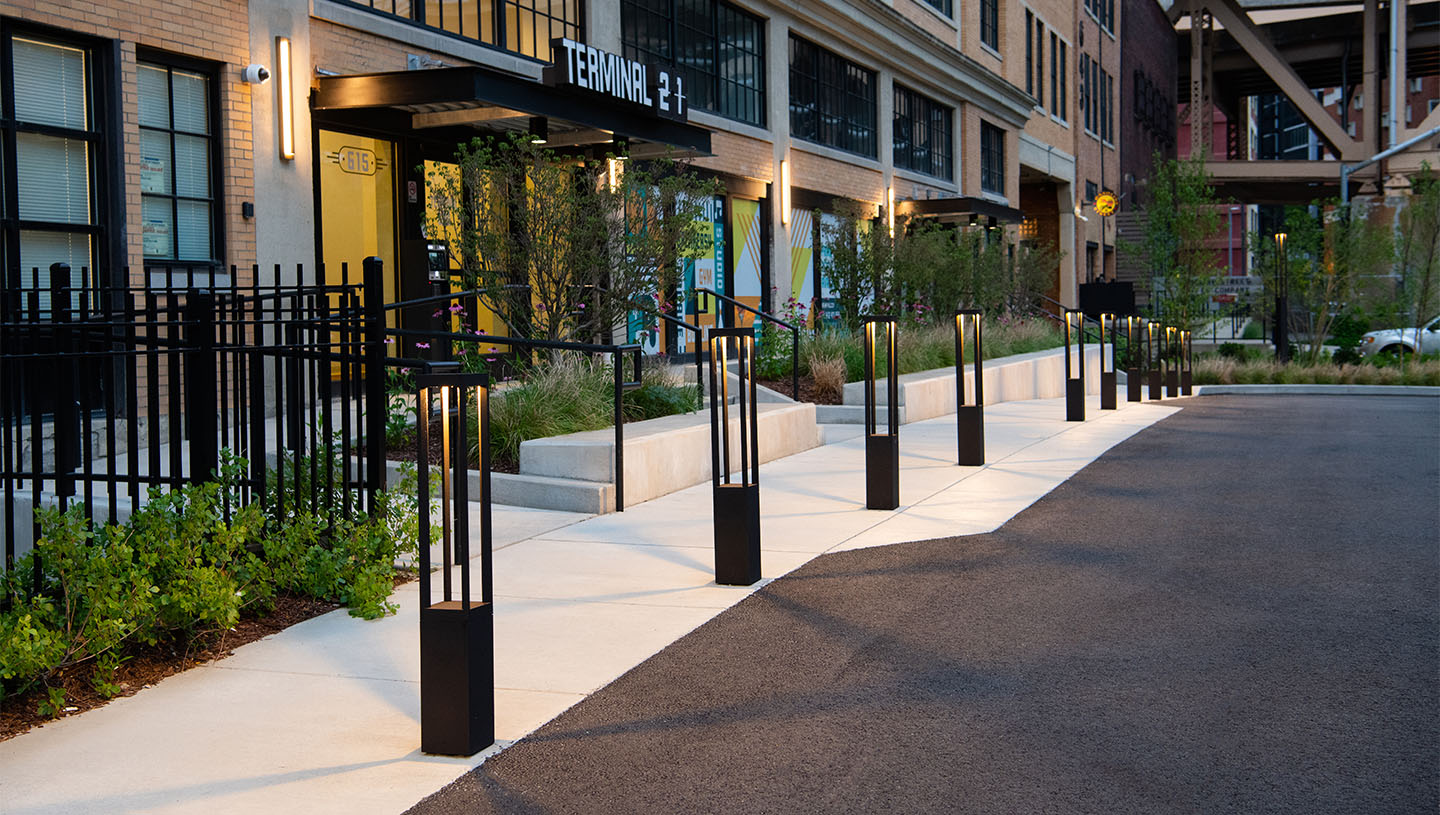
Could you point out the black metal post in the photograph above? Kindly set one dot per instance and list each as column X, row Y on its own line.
column 882, row 450
column 1282, row 301
column 737, row 506
column 200, row 384
column 1074, row 384
column 374, row 294
column 1187, row 377
column 1154, row 357
column 1108, row 377
column 969, row 416
column 1133, row 360
column 65, row 416
column 457, row 637
column 1172, row 368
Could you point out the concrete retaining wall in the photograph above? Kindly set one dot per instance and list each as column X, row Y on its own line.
column 1037, row 375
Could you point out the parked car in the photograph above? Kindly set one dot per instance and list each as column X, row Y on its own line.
column 1395, row 340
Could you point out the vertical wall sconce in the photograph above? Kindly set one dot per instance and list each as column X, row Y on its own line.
column 785, row 191
column 614, row 172
column 1107, row 371
column 1074, row 373
column 457, row 636
column 539, row 130
column 969, row 416
column 284, row 87
column 1186, row 364
column 882, row 450
column 1172, row 361
column 1154, row 358
column 1135, row 361
column 737, row 506
column 890, row 210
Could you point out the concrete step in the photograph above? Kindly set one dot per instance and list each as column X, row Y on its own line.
column 849, row 414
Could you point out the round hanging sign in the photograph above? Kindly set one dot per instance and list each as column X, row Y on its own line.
column 1105, row 203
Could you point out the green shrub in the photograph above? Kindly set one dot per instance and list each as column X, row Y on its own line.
column 179, row 570
column 1253, row 330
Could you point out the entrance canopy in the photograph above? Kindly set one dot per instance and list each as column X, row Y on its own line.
column 961, row 209
column 490, row 100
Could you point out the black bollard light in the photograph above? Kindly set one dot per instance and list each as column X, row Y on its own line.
column 1108, row 377
column 737, row 505
column 1187, row 372
column 457, row 635
column 969, row 416
column 1153, row 359
column 1134, row 361
column 1074, row 385
column 882, row 450
column 1172, row 361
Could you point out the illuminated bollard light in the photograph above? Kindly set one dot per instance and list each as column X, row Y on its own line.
column 1187, row 366
column 969, row 416
column 1108, row 377
column 1074, row 373
column 736, row 504
column 1172, row 361
column 457, row 635
column 1135, row 361
column 1154, row 356
column 882, row 450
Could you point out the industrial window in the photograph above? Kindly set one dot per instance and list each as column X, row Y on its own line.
column 50, row 209
column 1039, row 63
column 922, row 134
column 1083, row 92
column 523, row 27
column 1029, row 53
column 832, row 100
column 992, row 158
column 177, row 164
column 990, row 23
column 1059, row 97
column 717, row 48
column 946, row 7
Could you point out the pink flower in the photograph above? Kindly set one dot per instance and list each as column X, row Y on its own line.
column 422, row 345
column 389, row 340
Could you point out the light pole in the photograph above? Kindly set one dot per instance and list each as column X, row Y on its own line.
column 1282, row 302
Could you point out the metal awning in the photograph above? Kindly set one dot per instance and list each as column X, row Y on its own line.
column 960, row 208
column 486, row 99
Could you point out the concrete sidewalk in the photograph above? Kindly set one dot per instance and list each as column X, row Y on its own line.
column 323, row 717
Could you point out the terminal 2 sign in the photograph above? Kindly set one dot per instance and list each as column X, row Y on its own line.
column 600, row 72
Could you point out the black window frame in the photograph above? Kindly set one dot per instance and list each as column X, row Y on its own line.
column 990, row 23
column 211, row 71
column 668, row 34
column 945, row 7
column 992, row 158
column 103, row 149
column 499, row 34
column 823, row 110
column 1029, row 53
column 1062, row 92
column 916, row 113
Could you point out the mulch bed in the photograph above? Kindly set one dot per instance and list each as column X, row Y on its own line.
column 808, row 391
column 150, row 664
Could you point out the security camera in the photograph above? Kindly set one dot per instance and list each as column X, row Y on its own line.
column 255, row 74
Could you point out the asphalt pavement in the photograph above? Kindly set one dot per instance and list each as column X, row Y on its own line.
column 1235, row 610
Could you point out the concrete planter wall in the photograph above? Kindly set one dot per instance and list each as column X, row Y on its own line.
column 927, row 394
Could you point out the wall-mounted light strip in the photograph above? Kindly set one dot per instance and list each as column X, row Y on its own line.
column 287, row 97
column 785, row 191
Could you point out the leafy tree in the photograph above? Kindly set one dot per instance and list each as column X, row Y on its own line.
column 538, row 232
column 1337, row 260
column 1418, row 253
column 1180, row 217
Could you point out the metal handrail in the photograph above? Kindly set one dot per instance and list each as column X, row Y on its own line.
column 794, row 334
column 617, row 363
column 678, row 323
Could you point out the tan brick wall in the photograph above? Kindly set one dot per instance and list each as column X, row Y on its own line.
column 214, row 30
column 930, row 19
column 350, row 51
column 812, row 172
column 740, row 155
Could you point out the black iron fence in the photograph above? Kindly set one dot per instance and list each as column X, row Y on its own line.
column 110, row 391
